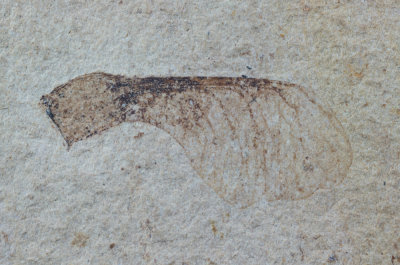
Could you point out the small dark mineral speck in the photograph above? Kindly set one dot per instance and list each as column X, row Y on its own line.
column 332, row 258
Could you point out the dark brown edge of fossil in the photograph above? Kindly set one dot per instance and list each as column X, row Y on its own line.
column 44, row 104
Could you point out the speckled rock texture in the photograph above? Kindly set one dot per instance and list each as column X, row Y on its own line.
column 131, row 195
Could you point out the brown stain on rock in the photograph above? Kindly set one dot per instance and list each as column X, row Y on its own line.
column 80, row 240
column 246, row 138
column 5, row 236
column 213, row 227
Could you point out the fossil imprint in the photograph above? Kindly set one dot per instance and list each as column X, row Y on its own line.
column 246, row 138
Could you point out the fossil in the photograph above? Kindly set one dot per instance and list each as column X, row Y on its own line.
column 246, row 138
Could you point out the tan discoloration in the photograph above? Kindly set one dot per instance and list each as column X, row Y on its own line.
column 80, row 240
column 247, row 138
column 139, row 135
column 5, row 236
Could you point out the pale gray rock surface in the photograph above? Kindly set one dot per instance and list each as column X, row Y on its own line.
column 120, row 199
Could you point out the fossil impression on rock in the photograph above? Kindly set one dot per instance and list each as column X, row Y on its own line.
column 246, row 138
